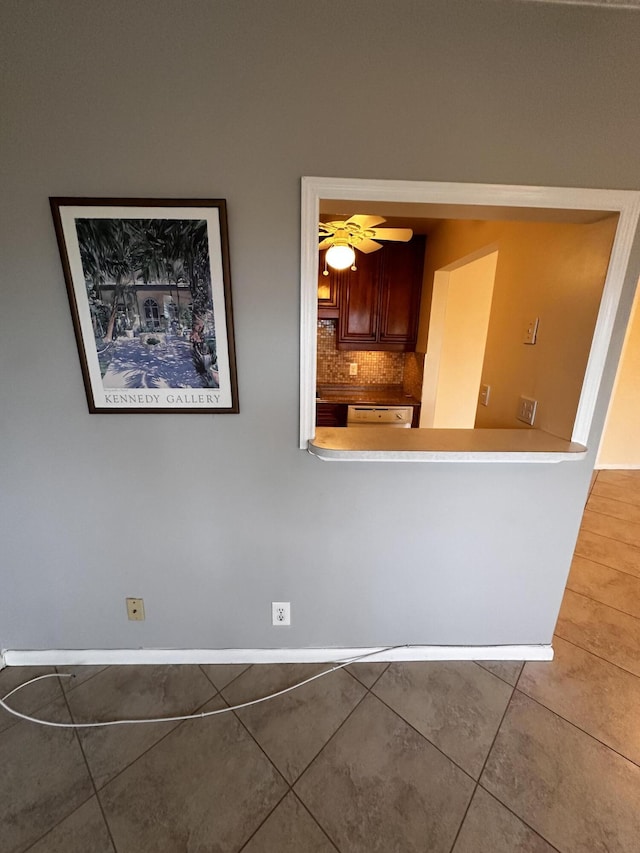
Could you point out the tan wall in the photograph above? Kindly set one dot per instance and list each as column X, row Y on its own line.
column 552, row 271
column 620, row 447
column 458, row 330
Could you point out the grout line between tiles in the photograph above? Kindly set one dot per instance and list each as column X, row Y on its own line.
column 516, row 815
column 277, row 770
column 154, row 744
column 56, row 825
column 595, row 655
column 369, row 687
column 625, row 521
column 608, row 475
column 422, row 735
column 84, row 802
column 618, row 500
column 606, row 565
column 484, row 764
column 603, row 604
column 257, row 743
column 84, row 681
column 267, row 816
column 584, row 529
column 210, row 680
column 504, row 680
column 317, row 822
column 306, row 767
column 579, row 728
column 600, row 601
column 328, row 741
column 367, row 691
column 614, row 500
column 15, row 720
column 310, row 762
column 92, row 780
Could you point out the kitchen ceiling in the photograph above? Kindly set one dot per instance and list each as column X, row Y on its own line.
column 424, row 218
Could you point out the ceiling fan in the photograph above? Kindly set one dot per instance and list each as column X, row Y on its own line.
column 360, row 232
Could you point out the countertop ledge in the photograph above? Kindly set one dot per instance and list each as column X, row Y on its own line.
column 365, row 395
column 369, row 444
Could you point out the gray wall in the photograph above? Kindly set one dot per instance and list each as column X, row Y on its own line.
column 210, row 518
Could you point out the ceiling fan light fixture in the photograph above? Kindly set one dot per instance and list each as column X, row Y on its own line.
column 340, row 256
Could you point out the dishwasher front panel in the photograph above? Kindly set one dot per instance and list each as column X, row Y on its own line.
column 383, row 416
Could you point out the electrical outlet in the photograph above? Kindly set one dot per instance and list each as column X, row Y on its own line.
column 531, row 331
column 485, row 393
column 135, row 609
column 281, row 613
column 527, row 410
column 353, row 368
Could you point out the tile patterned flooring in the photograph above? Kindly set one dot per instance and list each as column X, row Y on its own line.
column 431, row 757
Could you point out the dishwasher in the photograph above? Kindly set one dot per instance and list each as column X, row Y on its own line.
column 380, row 416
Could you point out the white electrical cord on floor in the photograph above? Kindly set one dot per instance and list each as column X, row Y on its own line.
column 182, row 717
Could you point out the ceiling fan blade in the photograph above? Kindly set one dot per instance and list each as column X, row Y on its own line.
column 365, row 221
column 402, row 234
column 367, row 246
column 325, row 243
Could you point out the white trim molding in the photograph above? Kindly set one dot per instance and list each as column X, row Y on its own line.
column 626, row 203
column 113, row 657
column 616, row 466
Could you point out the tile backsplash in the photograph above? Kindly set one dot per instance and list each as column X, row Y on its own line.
column 374, row 368
column 413, row 374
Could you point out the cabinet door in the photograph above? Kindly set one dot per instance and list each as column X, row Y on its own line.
column 331, row 414
column 327, row 292
column 400, row 290
column 359, row 299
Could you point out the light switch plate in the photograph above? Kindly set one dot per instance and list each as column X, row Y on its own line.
column 485, row 393
column 531, row 331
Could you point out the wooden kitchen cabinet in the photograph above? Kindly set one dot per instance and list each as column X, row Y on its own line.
column 328, row 292
column 379, row 302
column 400, row 292
column 331, row 414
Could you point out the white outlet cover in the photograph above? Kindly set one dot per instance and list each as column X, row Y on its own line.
column 280, row 613
column 527, row 410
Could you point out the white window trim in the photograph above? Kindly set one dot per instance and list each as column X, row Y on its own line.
column 624, row 202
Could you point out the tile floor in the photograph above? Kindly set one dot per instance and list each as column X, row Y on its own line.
column 432, row 757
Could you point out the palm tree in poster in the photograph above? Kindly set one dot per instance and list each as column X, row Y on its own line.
column 189, row 244
column 109, row 249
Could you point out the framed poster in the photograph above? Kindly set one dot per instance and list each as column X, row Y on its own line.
column 150, row 294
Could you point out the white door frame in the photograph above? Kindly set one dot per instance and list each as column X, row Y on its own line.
column 624, row 202
column 437, row 337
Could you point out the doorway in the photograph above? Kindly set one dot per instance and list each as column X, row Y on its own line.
column 458, row 327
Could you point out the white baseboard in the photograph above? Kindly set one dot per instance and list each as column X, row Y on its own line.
column 111, row 657
column 606, row 467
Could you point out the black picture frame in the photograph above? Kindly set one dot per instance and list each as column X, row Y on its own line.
column 149, row 288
